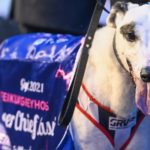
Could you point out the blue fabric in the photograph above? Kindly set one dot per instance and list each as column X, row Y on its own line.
column 35, row 72
column 67, row 142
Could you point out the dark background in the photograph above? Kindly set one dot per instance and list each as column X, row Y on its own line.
column 54, row 16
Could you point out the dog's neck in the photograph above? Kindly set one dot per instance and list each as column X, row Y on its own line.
column 107, row 81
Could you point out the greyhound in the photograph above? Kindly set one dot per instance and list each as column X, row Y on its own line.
column 113, row 106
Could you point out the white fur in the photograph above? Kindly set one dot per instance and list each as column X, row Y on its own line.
column 110, row 84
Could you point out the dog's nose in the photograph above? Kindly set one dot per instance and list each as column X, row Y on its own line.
column 145, row 74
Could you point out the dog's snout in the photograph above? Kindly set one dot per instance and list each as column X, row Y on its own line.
column 145, row 74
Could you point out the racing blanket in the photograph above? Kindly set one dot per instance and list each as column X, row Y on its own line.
column 35, row 74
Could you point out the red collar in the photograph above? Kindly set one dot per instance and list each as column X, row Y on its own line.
column 95, row 101
column 101, row 127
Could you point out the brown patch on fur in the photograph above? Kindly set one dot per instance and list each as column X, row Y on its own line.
column 128, row 32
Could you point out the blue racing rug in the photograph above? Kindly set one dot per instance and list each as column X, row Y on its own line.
column 35, row 74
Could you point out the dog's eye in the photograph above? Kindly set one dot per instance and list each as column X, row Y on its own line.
column 130, row 36
column 128, row 32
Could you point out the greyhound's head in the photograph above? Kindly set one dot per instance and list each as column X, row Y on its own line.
column 132, row 46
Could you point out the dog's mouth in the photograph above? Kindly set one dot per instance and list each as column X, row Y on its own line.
column 142, row 96
column 142, row 91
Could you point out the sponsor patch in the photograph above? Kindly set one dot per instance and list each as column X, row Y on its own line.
column 121, row 123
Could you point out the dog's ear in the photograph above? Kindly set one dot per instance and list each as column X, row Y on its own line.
column 117, row 13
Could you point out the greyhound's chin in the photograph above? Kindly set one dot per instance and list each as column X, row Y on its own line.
column 142, row 96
